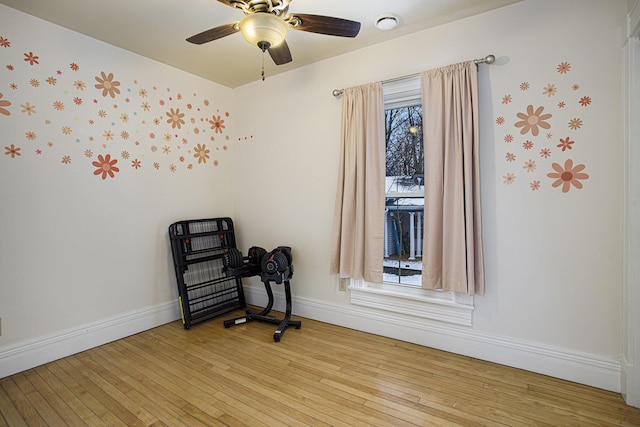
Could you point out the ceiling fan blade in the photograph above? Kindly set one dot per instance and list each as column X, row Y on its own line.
column 326, row 25
column 281, row 53
column 214, row 33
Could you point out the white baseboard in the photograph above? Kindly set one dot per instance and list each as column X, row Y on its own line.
column 19, row 357
column 584, row 368
column 630, row 380
column 589, row 369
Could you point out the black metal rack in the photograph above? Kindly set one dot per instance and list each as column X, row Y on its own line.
column 205, row 291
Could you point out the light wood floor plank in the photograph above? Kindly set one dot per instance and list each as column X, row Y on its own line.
column 455, row 395
column 159, row 390
column 101, row 415
column 62, row 414
column 117, row 388
column 274, row 383
column 9, row 416
column 100, row 402
column 319, row 375
column 47, row 372
column 20, row 400
column 153, row 392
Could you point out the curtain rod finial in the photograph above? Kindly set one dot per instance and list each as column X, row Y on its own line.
column 337, row 92
column 489, row 59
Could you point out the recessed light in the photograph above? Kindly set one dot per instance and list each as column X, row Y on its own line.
column 386, row 21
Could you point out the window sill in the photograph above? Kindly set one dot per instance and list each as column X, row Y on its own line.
column 408, row 300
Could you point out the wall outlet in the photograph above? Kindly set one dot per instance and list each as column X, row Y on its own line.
column 343, row 283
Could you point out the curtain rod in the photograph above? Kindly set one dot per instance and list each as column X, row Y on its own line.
column 489, row 59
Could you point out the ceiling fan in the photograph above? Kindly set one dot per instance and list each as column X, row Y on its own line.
column 266, row 23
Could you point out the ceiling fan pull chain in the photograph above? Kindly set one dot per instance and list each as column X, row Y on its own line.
column 263, row 65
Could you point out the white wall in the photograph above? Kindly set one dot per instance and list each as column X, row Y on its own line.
column 79, row 253
column 553, row 259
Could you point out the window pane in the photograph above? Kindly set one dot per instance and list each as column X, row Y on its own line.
column 403, row 142
column 404, row 210
column 403, row 240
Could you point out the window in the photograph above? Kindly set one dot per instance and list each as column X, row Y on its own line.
column 404, row 184
column 401, row 290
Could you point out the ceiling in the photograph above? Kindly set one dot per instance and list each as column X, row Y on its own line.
column 157, row 29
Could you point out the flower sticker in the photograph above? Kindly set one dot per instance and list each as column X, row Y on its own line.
column 175, row 118
column 575, row 123
column 509, row 178
column 108, row 85
column 584, row 101
column 567, row 175
column 529, row 165
column 565, row 144
column 4, row 103
column 217, row 124
column 202, row 154
column 31, row 58
column 550, row 90
column 564, row 67
column 12, row 151
column 532, row 120
column 105, row 166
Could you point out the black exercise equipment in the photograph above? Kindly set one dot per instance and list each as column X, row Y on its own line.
column 199, row 248
column 275, row 266
column 239, row 265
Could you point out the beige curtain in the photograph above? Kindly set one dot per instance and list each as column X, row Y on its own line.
column 358, row 222
column 452, row 254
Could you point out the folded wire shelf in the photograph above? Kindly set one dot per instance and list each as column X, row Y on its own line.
column 204, row 290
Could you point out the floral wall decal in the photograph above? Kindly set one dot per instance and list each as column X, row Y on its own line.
column 4, row 103
column 105, row 166
column 12, row 151
column 107, row 84
column 567, row 175
column 542, row 111
column 69, row 113
column 532, row 120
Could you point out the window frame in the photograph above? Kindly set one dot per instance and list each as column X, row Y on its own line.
column 401, row 298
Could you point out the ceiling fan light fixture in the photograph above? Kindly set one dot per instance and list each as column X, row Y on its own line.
column 386, row 21
column 263, row 30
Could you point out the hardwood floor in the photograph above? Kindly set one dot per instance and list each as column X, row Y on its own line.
column 318, row 375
